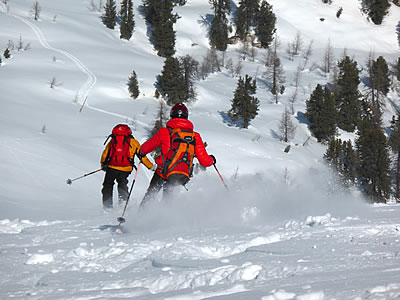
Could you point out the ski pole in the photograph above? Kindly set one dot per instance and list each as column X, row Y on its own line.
column 69, row 181
column 121, row 219
column 219, row 174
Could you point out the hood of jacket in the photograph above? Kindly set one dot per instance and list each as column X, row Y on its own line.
column 180, row 123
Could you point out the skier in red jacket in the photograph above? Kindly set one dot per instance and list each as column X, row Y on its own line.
column 179, row 145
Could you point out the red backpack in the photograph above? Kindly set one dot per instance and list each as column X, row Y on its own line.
column 120, row 146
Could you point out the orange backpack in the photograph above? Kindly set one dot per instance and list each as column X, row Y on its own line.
column 182, row 151
column 119, row 153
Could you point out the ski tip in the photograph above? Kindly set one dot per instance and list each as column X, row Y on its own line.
column 113, row 228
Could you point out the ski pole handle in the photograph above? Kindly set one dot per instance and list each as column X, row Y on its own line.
column 219, row 174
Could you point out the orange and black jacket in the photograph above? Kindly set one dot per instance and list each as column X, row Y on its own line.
column 134, row 148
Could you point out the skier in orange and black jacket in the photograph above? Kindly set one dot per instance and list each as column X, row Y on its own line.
column 119, row 169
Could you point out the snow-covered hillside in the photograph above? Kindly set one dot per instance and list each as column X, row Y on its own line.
column 284, row 230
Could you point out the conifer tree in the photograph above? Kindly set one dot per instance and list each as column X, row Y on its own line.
column 133, row 85
column 265, row 24
column 219, row 28
column 127, row 21
column 244, row 106
column 189, row 68
column 110, row 14
column 373, row 157
column 159, row 15
column 246, row 14
column 321, row 113
column 376, row 9
column 7, row 53
column 171, row 82
column 333, row 154
column 394, row 142
column 348, row 96
column 341, row 157
column 349, row 162
column 379, row 81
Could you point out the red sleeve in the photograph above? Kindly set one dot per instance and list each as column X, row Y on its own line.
column 161, row 138
column 200, row 151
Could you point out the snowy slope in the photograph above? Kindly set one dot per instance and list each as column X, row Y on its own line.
column 284, row 230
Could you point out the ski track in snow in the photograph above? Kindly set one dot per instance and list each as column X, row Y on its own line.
column 86, row 87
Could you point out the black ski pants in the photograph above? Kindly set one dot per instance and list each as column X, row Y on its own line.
column 157, row 183
column 122, row 179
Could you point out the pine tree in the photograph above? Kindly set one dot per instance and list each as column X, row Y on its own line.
column 341, row 156
column 190, row 70
column 133, row 86
column 127, row 21
column 376, row 9
column 394, row 142
column 265, row 24
column 159, row 15
column 219, row 28
column 379, row 81
column 171, row 82
column 373, row 157
column 110, row 14
column 246, row 14
column 321, row 112
column 348, row 96
column 349, row 162
column 333, row 154
column 7, row 53
column 244, row 106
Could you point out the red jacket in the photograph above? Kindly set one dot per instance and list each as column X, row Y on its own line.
column 162, row 138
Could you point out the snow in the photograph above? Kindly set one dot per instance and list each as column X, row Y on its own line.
column 285, row 229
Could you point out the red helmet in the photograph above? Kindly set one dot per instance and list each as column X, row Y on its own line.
column 179, row 110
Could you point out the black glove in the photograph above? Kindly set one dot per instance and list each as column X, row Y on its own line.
column 215, row 160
